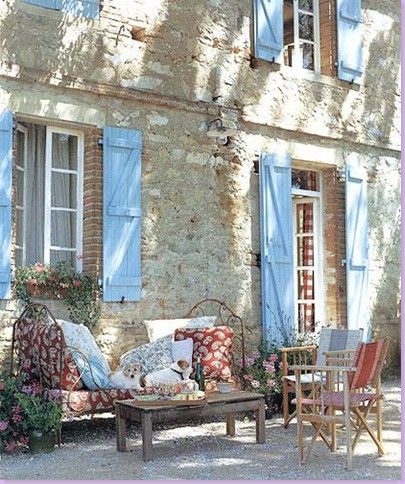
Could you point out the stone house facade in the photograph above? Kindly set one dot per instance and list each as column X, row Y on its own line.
column 233, row 115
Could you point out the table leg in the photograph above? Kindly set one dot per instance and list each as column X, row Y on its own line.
column 230, row 424
column 146, row 422
column 120, row 426
column 260, row 423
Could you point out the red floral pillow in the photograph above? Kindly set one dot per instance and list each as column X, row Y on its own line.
column 213, row 345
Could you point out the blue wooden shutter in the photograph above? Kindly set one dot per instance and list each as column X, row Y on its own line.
column 268, row 29
column 122, row 214
column 54, row 4
column 358, row 315
column 84, row 8
column 277, row 269
column 350, row 42
column 6, row 155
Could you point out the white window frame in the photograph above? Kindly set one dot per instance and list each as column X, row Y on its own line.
column 315, row 197
column 24, row 130
column 296, row 58
column 50, row 130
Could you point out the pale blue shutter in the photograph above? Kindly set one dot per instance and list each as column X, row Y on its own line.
column 350, row 41
column 277, row 269
column 6, row 155
column 53, row 4
column 84, row 8
column 268, row 29
column 358, row 315
column 122, row 214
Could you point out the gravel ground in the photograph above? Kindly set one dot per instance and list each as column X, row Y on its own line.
column 202, row 452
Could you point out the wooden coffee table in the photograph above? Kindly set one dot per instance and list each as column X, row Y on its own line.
column 217, row 404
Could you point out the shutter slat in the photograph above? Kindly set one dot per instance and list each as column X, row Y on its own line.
column 122, row 215
column 276, row 246
column 52, row 4
column 268, row 29
column 358, row 311
column 350, row 42
column 85, row 8
column 6, row 154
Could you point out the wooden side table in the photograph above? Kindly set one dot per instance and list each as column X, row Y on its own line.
column 218, row 404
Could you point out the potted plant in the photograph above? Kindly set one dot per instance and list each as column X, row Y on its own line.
column 60, row 281
column 42, row 415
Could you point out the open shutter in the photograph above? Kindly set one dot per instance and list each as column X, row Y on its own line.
column 84, row 8
column 54, row 4
column 6, row 154
column 122, row 214
column 358, row 315
column 277, row 270
column 350, row 42
column 268, row 29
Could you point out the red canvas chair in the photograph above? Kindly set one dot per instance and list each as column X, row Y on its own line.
column 349, row 390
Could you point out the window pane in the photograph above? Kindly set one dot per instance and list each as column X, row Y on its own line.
column 63, row 229
column 18, row 257
column 64, row 190
column 305, row 5
column 306, row 26
column 64, row 151
column 306, row 284
column 19, row 188
column 63, row 255
column 304, row 180
column 308, row 61
column 20, row 148
column 305, row 218
column 19, row 238
column 306, row 317
column 305, row 251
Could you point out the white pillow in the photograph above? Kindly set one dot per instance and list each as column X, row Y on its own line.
column 182, row 350
column 164, row 327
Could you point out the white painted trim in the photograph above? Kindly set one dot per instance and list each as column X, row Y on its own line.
column 24, row 130
column 305, row 193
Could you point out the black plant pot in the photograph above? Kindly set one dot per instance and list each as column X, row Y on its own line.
column 41, row 442
column 273, row 404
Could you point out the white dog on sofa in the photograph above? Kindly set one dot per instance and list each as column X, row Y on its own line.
column 177, row 372
column 127, row 376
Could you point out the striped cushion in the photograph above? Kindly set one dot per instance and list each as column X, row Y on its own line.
column 337, row 339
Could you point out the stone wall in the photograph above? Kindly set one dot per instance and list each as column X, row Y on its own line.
column 169, row 67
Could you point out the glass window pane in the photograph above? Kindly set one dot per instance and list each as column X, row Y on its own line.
column 19, row 187
column 304, row 180
column 63, row 255
column 305, row 251
column 63, row 229
column 305, row 218
column 64, row 151
column 306, row 284
column 306, row 5
column 20, row 148
column 19, row 237
column 306, row 26
column 64, row 190
column 306, row 317
column 308, row 60
column 18, row 257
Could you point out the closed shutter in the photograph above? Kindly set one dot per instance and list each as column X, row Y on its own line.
column 350, row 41
column 6, row 154
column 358, row 314
column 54, row 4
column 84, row 8
column 268, row 29
column 122, row 214
column 277, row 269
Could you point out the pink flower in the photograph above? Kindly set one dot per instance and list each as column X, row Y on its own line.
column 24, row 440
column 271, row 383
column 3, row 425
column 77, row 283
column 10, row 446
column 1, row 386
column 27, row 389
column 36, row 388
column 26, row 364
column 54, row 394
column 248, row 377
column 269, row 367
column 16, row 417
column 273, row 358
column 255, row 384
column 39, row 267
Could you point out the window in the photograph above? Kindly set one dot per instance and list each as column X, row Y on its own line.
column 84, row 8
column 49, row 195
column 307, row 250
column 301, row 34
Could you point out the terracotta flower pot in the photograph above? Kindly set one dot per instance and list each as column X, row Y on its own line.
column 41, row 442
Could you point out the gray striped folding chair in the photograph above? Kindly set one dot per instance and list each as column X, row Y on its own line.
column 330, row 341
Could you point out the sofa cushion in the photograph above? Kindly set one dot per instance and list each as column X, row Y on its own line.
column 92, row 365
column 182, row 350
column 150, row 356
column 159, row 328
column 213, row 345
column 55, row 367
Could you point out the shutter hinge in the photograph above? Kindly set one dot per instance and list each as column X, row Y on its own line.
column 100, row 142
column 343, row 262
